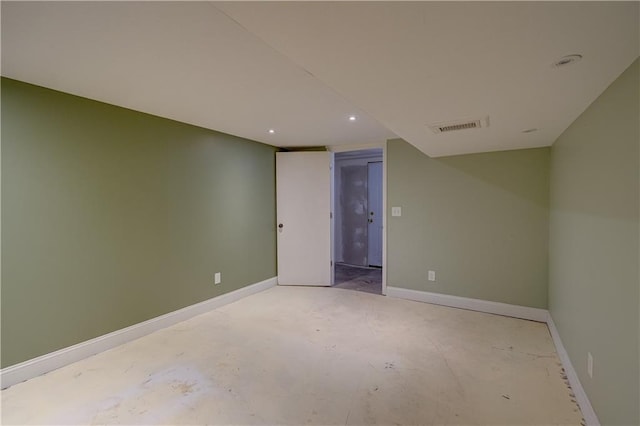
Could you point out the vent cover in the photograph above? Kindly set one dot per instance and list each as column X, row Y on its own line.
column 452, row 126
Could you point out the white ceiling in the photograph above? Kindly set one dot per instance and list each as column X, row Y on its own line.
column 304, row 67
column 182, row 60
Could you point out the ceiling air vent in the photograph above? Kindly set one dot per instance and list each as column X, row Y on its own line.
column 453, row 126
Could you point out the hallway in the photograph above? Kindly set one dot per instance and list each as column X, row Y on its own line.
column 358, row 278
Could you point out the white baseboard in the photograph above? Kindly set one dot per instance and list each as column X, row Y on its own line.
column 516, row 311
column 581, row 396
column 43, row 364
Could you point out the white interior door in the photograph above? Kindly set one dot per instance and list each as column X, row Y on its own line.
column 303, row 185
column 375, row 213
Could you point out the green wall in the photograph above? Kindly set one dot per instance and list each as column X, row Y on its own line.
column 111, row 217
column 480, row 221
column 594, row 281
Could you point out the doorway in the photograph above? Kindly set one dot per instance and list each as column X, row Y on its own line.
column 358, row 225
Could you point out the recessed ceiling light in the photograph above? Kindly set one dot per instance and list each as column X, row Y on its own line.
column 530, row 130
column 352, row 118
column 567, row 60
column 272, row 131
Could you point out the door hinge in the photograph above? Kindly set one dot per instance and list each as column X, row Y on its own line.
column 331, row 263
column 330, row 215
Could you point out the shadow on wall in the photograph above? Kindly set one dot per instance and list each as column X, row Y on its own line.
column 518, row 173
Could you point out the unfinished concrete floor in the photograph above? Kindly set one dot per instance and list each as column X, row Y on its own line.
column 358, row 278
column 313, row 356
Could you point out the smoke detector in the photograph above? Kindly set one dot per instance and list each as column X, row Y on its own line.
column 452, row 126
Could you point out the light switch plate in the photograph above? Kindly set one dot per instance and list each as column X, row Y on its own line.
column 396, row 211
column 217, row 278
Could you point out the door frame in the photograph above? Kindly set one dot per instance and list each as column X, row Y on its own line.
column 342, row 148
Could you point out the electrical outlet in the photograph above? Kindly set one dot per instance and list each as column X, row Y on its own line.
column 396, row 211
column 432, row 275
column 590, row 365
column 217, row 278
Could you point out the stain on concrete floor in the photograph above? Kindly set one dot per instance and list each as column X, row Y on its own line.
column 358, row 278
